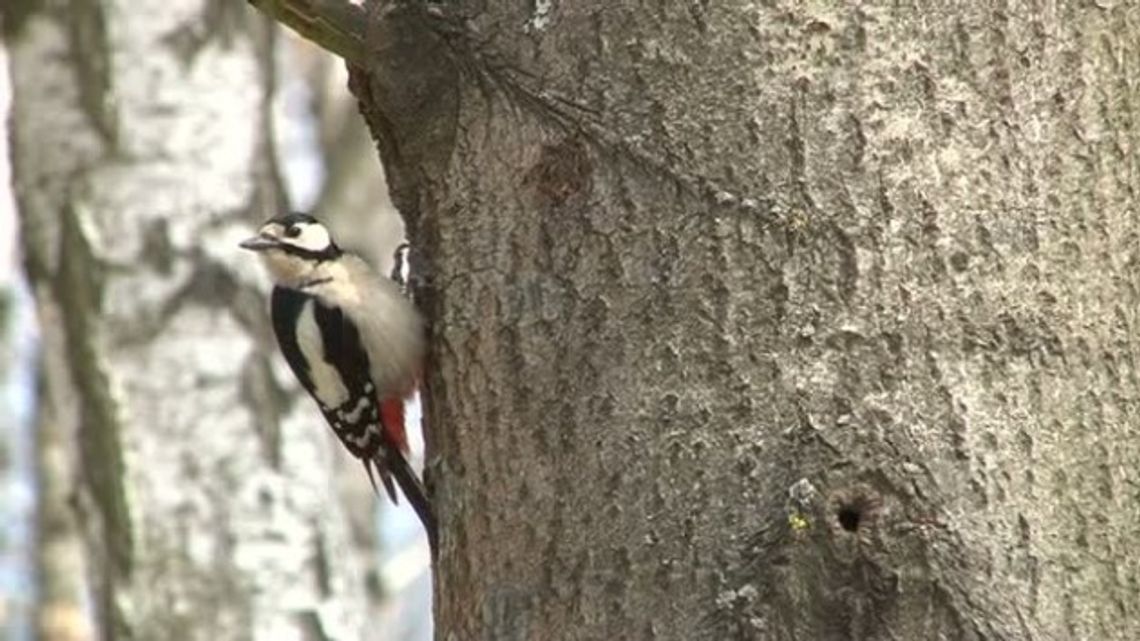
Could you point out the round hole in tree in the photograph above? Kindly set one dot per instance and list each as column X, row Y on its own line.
column 849, row 517
column 856, row 508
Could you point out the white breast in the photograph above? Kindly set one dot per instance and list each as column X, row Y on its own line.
column 390, row 327
column 327, row 384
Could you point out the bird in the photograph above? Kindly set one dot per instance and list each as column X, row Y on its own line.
column 354, row 341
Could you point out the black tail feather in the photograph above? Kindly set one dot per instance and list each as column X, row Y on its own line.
column 392, row 464
column 373, row 467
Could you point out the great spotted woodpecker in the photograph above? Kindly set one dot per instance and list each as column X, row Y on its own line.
column 353, row 340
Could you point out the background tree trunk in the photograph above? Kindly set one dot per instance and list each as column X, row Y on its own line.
column 199, row 492
column 773, row 320
column 17, row 510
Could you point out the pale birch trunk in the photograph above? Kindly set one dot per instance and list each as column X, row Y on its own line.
column 196, row 479
column 17, row 509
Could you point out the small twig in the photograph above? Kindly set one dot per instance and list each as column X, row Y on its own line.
column 335, row 25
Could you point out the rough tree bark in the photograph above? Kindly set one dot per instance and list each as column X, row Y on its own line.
column 199, row 492
column 772, row 320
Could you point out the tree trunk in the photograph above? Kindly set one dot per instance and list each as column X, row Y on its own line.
column 199, row 491
column 16, row 371
column 769, row 321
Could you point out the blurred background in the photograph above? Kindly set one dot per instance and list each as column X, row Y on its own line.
column 162, row 474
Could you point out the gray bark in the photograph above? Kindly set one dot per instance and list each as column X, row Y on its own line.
column 198, row 487
column 773, row 320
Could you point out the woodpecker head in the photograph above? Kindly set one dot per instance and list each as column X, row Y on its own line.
column 292, row 246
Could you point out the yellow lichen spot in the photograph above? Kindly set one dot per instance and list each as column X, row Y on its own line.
column 797, row 220
column 798, row 522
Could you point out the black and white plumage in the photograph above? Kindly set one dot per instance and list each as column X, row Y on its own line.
column 353, row 340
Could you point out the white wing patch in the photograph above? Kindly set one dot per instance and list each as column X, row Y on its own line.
column 353, row 416
column 327, row 384
column 363, row 440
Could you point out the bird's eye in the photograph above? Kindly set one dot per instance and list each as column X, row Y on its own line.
column 293, row 232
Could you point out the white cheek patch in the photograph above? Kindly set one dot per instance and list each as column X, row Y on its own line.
column 314, row 237
column 327, row 384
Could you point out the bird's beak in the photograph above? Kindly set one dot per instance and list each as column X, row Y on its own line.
column 258, row 243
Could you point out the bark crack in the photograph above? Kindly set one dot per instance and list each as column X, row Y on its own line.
column 79, row 281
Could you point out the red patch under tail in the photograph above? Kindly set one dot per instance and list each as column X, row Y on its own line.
column 392, row 420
